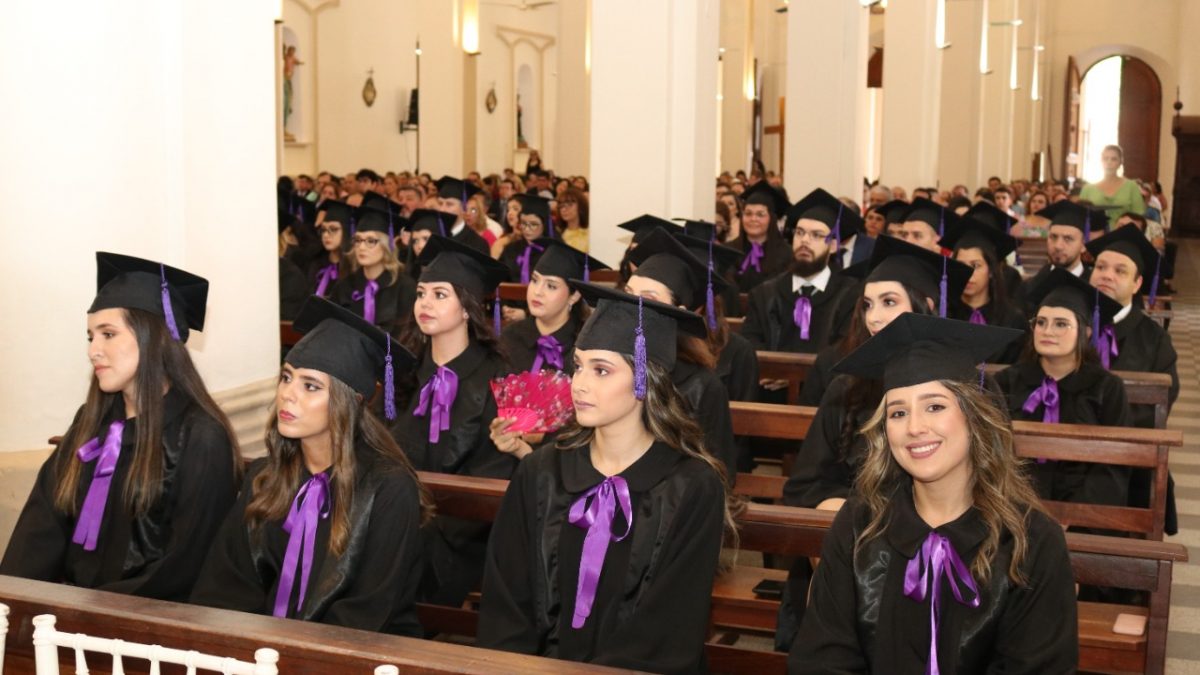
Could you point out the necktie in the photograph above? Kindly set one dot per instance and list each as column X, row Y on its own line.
column 437, row 397
column 87, row 528
column 802, row 311
column 309, row 506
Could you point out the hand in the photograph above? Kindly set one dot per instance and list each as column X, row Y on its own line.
column 773, row 385
column 511, row 314
column 508, row 442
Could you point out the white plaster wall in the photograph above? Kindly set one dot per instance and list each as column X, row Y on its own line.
column 301, row 156
column 737, row 112
column 572, row 151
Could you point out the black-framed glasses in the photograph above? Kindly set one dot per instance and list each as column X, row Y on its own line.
column 368, row 242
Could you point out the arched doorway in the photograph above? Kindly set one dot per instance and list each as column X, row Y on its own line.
column 1120, row 101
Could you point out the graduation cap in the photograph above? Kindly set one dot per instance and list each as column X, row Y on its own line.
column 299, row 207
column 974, row 233
column 767, row 195
column 337, row 212
column 1130, row 242
column 371, row 219
column 1081, row 217
column 563, row 260
column 346, row 346
column 667, row 260
column 991, row 215
column 1063, row 289
column 456, row 188
column 643, row 225
column 918, row 348
column 629, row 324
column 893, row 211
column 935, row 215
column 437, row 222
column 722, row 256
column 126, row 282
column 933, row 274
column 445, row 259
column 699, row 229
column 819, row 205
column 537, row 206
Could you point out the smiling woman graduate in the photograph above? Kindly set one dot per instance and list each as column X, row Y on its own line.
column 133, row 495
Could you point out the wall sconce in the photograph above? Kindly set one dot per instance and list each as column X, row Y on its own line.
column 470, row 27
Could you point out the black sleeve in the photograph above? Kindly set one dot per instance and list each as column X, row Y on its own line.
column 1165, row 361
column 756, row 326
column 743, row 377
column 717, row 422
column 817, row 380
column 820, row 472
column 1108, row 483
column 229, row 579
column 506, row 614
column 38, row 546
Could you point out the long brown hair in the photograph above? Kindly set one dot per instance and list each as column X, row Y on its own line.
column 1000, row 488
column 350, row 422
column 479, row 327
column 1084, row 351
column 163, row 363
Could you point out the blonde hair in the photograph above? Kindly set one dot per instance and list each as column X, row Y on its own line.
column 1000, row 488
column 391, row 263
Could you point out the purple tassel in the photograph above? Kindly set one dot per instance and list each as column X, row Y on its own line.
column 942, row 290
column 639, row 358
column 942, row 224
column 441, row 224
column 586, row 273
column 982, row 373
column 1154, row 283
column 496, row 313
column 389, row 384
column 710, row 305
column 836, row 233
column 1087, row 225
column 352, row 225
column 1096, row 322
column 168, row 313
column 550, row 228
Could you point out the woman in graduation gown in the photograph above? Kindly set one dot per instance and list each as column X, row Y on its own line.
column 377, row 289
column 132, row 497
column 327, row 526
column 605, row 547
column 666, row 271
column 445, row 426
column 941, row 501
column 336, row 240
column 765, row 252
column 985, row 298
column 520, row 255
column 1059, row 379
column 423, row 224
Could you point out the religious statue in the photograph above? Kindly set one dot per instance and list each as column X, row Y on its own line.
column 521, row 142
column 290, row 61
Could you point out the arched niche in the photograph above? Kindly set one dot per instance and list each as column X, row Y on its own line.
column 528, row 110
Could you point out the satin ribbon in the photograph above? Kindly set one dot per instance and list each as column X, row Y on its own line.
column 1045, row 395
column 753, row 258
column 310, row 505
column 367, row 295
column 977, row 318
column 523, row 260
column 549, row 352
column 1106, row 345
column 597, row 518
column 328, row 274
column 87, row 528
column 937, row 559
column 802, row 315
column 437, row 397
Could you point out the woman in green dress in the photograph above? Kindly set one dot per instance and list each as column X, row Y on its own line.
column 1115, row 194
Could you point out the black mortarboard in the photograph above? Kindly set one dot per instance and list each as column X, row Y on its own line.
column 126, row 282
column 629, row 324
column 338, row 212
column 537, row 206
column 723, row 256
column 769, row 196
column 893, row 211
column 1081, row 217
column 346, row 346
column 700, row 229
column 1129, row 241
column 299, row 207
column 371, row 219
column 1062, row 289
column 821, row 206
column 643, row 225
column 933, row 274
column 974, row 233
column 665, row 259
column 563, row 260
column 445, row 259
column 991, row 215
column 935, row 215
column 437, row 222
column 456, row 188
column 918, row 348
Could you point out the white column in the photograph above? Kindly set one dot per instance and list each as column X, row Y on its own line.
column 737, row 67
column 996, row 109
column 572, row 150
column 155, row 144
column 653, row 121
column 826, row 125
column 442, row 82
column 960, row 123
column 912, row 72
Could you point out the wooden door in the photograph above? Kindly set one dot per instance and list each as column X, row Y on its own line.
column 1072, row 152
column 1141, row 118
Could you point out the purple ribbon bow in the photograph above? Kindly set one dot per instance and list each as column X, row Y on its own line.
column 549, row 352
column 1106, row 344
column 802, row 315
column 1046, row 395
column 753, row 258
column 937, row 559
column 977, row 318
column 310, row 505
column 87, row 528
column 327, row 274
column 597, row 518
column 367, row 295
column 437, row 397
column 523, row 260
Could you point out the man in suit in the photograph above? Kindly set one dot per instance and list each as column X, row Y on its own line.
column 453, row 194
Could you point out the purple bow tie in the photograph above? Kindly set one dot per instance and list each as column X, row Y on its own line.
column 327, row 275
column 437, row 397
column 802, row 315
column 310, row 505
column 1107, row 346
column 597, row 518
column 753, row 258
column 367, row 295
column 87, row 528
column 523, row 260
column 978, row 318
column 549, row 352
column 937, row 559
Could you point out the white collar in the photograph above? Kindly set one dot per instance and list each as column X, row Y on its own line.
column 819, row 280
column 1125, row 311
column 1077, row 270
column 458, row 227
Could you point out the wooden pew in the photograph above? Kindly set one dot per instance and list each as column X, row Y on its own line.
column 1122, row 563
column 305, row 648
column 288, row 337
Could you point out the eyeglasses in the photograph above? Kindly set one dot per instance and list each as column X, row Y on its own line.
column 811, row 235
column 369, row 242
column 529, row 227
column 329, row 230
column 1051, row 325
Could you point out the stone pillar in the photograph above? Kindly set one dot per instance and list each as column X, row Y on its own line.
column 912, row 81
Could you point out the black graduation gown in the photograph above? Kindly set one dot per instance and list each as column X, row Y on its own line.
column 1012, row 280
column 818, row 378
column 709, row 403
column 769, row 324
column 519, row 340
column 471, row 238
column 393, row 301
column 824, row 468
column 157, row 555
column 509, row 256
column 312, row 274
column 1090, row 395
column 652, row 601
column 293, row 289
column 1009, row 317
column 454, row 548
column 371, row 586
column 777, row 256
column 1033, row 282
column 737, row 368
column 859, row 619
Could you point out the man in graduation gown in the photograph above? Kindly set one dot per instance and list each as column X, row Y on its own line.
column 453, row 194
column 925, row 222
column 1070, row 229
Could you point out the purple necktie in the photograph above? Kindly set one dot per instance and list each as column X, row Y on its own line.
column 1107, row 346
column 367, row 295
column 549, row 352
column 523, row 260
column 597, row 518
column 327, row 274
column 937, row 559
column 753, row 258
column 977, row 318
column 437, row 397
column 87, row 528
column 310, row 505
column 802, row 315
